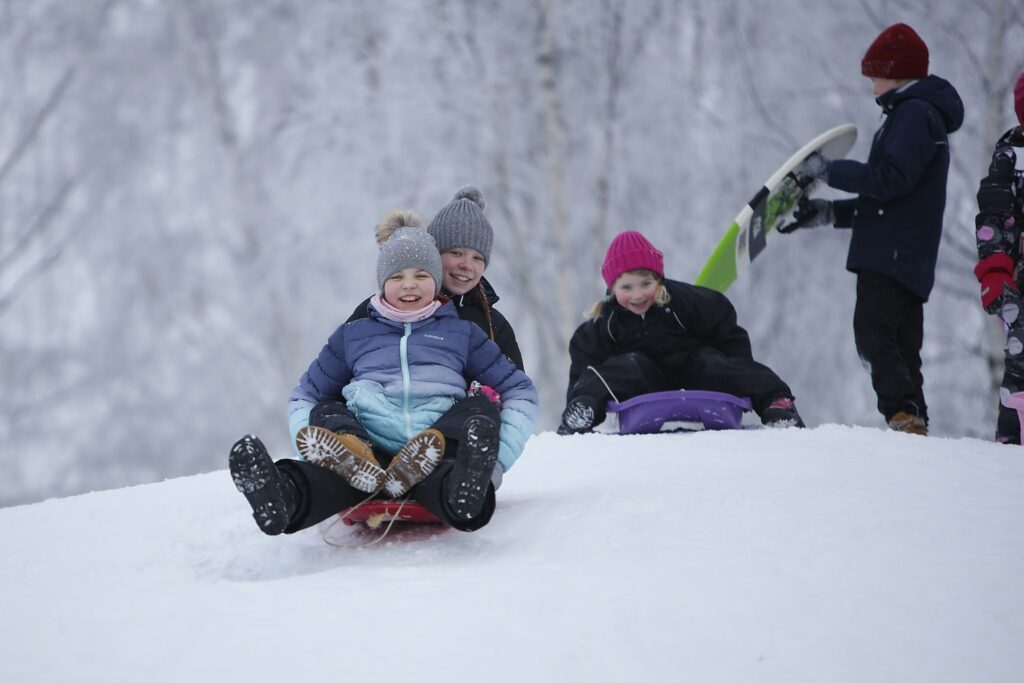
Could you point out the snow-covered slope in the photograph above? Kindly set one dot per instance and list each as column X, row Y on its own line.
column 831, row 554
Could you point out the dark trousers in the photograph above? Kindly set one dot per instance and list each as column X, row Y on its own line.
column 888, row 329
column 632, row 374
column 1011, row 314
column 323, row 493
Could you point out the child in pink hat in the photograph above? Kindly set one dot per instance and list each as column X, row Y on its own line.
column 653, row 334
column 999, row 269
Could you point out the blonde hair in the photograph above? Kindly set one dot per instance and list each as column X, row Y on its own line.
column 661, row 297
column 395, row 219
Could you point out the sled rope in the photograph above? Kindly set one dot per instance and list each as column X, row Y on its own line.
column 594, row 370
column 342, row 518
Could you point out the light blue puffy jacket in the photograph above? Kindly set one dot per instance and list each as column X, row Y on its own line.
column 399, row 378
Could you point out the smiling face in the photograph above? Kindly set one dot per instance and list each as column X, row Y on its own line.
column 635, row 291
column 462, row 268
column 409, row 289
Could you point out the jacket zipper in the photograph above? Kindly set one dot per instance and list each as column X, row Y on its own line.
column 404, row 355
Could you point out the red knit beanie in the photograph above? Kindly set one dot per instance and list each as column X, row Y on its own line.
column 630, row 251
column 1018, row 98
column 897, row 53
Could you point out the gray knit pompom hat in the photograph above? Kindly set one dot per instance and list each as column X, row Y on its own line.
column 462, row 224
column 408, row 248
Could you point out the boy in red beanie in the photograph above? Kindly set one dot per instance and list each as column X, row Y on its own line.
column 896, row 218
column 999, row 221
column 651, row 334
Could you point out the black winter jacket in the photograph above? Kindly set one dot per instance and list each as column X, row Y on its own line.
column 897, row 215
column 695, row 317
column 476, row 305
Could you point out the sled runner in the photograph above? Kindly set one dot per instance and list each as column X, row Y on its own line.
column 645, row 414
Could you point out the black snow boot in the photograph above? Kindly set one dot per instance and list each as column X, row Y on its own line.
column 1008, row 426
column 580, row 416
column 465, row 488
column 271, row 493
column 781, row 413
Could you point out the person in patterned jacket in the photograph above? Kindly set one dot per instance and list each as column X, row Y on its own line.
column 410, row 401
column 999, row 270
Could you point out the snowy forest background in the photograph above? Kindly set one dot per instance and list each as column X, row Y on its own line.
column 188, row 191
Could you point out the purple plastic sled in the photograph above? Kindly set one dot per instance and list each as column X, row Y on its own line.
column 646, row 413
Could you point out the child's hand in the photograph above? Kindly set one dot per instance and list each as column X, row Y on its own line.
column 815, row 167
column 491, row 393
column 810, row 213
column 994, row 274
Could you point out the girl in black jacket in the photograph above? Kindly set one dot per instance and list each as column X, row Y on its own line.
column 651, row 334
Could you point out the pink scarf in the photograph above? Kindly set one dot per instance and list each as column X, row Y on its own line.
column 392, row 313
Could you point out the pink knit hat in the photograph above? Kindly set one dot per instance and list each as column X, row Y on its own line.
column 1018, row 98
column 630, row 251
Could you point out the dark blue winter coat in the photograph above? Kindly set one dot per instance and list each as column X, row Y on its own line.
column 399, row 378
column 897, row 215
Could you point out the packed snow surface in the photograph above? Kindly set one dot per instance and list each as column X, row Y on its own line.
column 828, row 554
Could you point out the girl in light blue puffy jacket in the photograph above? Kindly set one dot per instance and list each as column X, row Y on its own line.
column 410, row 401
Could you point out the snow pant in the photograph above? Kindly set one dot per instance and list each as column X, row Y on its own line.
column 888, row 329
column 322, row 493
column 632, row 374
column 1010, row 314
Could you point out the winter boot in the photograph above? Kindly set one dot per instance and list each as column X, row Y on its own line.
column 781, row 413
column 909, row 423
column 465, row 487
column 579, row 416
column 414, row 462
column 1008, row 426
column 271, row 494
column 344, row 454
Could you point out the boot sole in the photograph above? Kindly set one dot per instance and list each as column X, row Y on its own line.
column 256, row 478
column 414, row 462
column 477, row 456
column 322, row 447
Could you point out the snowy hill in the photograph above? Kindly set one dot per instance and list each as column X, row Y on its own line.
column 832, row 554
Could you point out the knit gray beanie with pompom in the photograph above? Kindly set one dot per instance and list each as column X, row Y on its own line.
column 461, row 223
column 405, row 244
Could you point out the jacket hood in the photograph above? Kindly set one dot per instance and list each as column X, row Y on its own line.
column 938, row 92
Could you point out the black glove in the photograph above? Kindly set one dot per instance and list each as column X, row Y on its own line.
column 810, row 213
column 335, row 416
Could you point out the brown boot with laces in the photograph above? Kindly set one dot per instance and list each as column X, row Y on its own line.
column 344, row 454
column 414, row 462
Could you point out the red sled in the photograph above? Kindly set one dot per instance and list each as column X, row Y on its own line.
column 373, row 513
